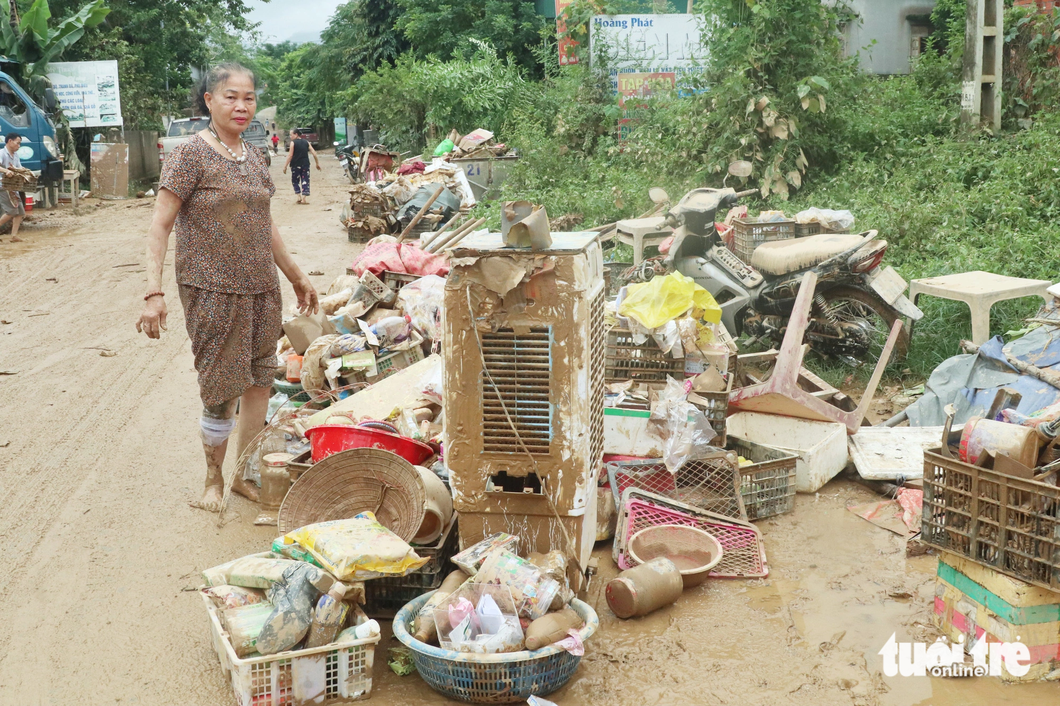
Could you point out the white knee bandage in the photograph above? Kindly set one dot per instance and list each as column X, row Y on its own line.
column 215, row 431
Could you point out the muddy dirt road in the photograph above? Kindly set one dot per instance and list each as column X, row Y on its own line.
column 99, row 455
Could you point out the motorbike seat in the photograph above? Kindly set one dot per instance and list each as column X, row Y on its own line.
column 782, row 257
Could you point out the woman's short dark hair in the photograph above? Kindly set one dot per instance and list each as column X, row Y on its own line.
column 11, row 136
column 216, row 77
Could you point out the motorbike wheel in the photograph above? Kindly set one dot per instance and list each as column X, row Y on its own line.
column 855, row 306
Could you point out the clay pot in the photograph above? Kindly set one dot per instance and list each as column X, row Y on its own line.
column 641, row 590
column 439, row 508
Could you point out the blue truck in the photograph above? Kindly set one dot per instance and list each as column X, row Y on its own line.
column 18, row 113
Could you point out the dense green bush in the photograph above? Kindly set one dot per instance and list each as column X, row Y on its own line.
column 416, row 102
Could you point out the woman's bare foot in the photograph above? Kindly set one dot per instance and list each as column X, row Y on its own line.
column 16, row 239
column 211, row 499
column 245, row 488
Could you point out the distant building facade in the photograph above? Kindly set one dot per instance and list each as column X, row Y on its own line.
column 900, row 29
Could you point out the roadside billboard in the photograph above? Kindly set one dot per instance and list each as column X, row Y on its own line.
column 87, row 92
column 648, row 44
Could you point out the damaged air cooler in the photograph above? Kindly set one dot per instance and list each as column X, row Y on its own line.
column 524, row 389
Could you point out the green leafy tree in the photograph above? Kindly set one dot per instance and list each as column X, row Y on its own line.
column 775, row 70
column 441, row 28
column 437, row 96
column 308, row 85
column 34, row 40
column 372, row 27
column 165, row 40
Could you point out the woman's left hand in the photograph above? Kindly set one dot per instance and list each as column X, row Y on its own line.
column 307, row 295
column 318, row 166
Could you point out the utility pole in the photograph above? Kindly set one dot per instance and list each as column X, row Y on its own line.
column 983, row 45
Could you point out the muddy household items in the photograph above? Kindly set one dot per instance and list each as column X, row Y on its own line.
column 455, row 433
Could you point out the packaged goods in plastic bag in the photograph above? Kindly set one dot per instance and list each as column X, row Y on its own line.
column 422, row 302
column 480, row 619
column 313, row 363
column 471, row 558
column 831, row 221
column 652, row 304
column 254, row 571
column 532, row 590
column 357, row 548
column 234, row 596
column 244, row 625
column 293, row 551
column 292, row 598
column 688, row 433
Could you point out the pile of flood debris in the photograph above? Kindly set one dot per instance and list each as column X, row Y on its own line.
column 457, row 430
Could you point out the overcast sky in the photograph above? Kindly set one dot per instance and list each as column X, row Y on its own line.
column 296, row 20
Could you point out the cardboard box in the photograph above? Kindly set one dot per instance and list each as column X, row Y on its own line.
column 302, row 330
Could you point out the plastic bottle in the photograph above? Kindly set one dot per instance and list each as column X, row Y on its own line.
column 391, row 330
column 641, row 590
column 328, row 617
column 275, row 480
column 550, row 628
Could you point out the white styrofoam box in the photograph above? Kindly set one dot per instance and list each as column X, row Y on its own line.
column 888, row 453
column 628, row 433
column 820, row 446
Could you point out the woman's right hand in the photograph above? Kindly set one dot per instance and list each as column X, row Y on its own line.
column 153, row 319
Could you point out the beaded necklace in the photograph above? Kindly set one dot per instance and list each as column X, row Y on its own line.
column 242, row 160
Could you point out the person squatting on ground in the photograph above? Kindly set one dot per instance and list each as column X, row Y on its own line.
column 10, row 202
column 215, row 190
column 298, row 161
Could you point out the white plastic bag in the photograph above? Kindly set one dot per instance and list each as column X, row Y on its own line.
column 688, row 433
column 422, row 302
column 831, row 221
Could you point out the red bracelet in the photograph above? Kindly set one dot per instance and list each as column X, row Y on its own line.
column 153, row 294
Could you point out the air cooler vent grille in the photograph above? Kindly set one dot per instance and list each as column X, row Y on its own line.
column 521, row 367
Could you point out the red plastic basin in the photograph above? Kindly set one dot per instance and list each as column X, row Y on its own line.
column 329, row 439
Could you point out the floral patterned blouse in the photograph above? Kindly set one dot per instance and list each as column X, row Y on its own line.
column 224, row 228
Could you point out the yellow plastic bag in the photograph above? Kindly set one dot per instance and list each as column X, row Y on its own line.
column 356, row 549
column 664, row 299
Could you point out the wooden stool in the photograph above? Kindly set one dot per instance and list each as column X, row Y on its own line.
column 980, row 291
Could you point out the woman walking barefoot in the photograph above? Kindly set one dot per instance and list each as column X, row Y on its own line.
column 298, row 161
column 216, row 191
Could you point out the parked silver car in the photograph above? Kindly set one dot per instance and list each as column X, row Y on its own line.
column 255, row 135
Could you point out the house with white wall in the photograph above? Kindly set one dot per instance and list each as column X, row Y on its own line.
column 889, row 34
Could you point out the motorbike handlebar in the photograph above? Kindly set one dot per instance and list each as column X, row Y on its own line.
column 741, row 194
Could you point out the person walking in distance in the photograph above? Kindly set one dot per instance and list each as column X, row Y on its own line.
column 10, row 201
column 275, row 143
column 298, row 161
column 216, row 190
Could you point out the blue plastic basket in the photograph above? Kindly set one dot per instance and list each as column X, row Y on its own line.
column 492, row 679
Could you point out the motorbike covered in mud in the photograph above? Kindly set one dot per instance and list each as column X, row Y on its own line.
column 856, row 301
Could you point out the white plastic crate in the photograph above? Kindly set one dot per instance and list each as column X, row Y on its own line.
column 820, row 446
column 324, row 675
